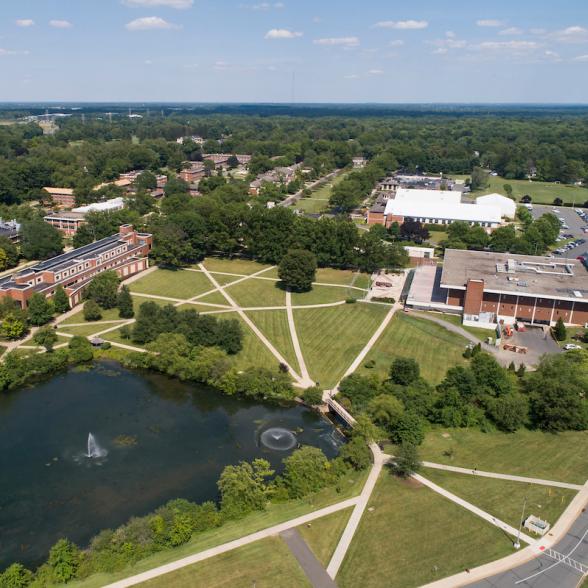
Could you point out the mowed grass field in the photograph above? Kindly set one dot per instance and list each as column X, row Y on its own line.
column 107, row 315
column 540, row 192
column 434, row 347
column 414, row 536
column 245, row 267
column 560, row 457
column 274, row 325
column 178, row 284
column 265, row 564
column 322, row 535
column 502, row 498
column 331, row 338
column 256, row 293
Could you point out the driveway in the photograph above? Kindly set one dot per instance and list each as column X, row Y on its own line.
column 538, row 342
column 546, row 571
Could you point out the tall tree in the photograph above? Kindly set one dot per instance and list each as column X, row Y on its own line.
column 40, row 310
column 125, row 303
column 297, row 270
column 40, row 240
column 60, row 300
column 103, row 289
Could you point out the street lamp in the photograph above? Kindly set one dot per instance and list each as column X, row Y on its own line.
column 517, row 543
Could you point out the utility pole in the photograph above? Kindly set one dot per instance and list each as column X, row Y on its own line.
column 517, row 543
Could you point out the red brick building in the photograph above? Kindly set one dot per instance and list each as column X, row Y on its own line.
column 63, row 197
column 489, row 287
column 126, row 253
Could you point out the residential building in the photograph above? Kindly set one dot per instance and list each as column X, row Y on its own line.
column 278, row 175
column 63, row 197
column 441, row 207
column 487, row 287
column 194, row 138
column 68, row 222
column 126, row 253
column 10, row 229
column 193, row 173
column 359, row 162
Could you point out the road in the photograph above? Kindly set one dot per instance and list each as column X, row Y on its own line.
column 298, row 195
column 545, row 571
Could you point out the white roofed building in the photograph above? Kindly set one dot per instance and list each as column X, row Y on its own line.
column 508, row 207
column 441, row 207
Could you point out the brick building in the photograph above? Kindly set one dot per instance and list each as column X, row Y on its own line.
column 126, row 253
column 489, row 287
column 63, row 197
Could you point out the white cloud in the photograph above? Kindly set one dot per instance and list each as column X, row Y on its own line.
column 396, row 43
column 450, row 42
column 489, row 22
column 7, row 52
column 221, row 65
column 375, row 72
column 582, row 58
column 148, row 62
column 264, row 6
column 551, row 55
column 178, row 4
column 574, row 34
column 25, row 22
column 440, row 51
column 60, row 24
column 508, row 46
column 403, row 25
column 317, row 19
column 450, row 34
column 510, row 31
column 338, row 41
column 351, row 77
column 150, row 23
column 282, row 34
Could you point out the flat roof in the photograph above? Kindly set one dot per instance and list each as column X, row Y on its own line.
column 525, row 275
column 444, row 210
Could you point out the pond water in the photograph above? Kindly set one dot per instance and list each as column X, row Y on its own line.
column 154, row 439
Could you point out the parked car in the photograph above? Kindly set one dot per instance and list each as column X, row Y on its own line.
column 571, row 346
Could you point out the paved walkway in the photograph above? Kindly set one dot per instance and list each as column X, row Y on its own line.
column 357, row 513
column 253, row 326
column 482, row 474
column 474, row 509
column 308, row 562
column 219, row 549
column 295, row 341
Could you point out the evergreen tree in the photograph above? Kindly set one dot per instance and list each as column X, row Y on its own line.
column 407, row 460
column 40, row 310
column 103, row 289
column 560, row 331
column 92, row 312
column 60, row 300
column 45, row 337
column 125, row 303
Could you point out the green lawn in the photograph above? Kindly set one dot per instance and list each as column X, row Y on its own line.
column 214, row 298
column 322, row 535
column 266, row 563
column 504, row 499
column 138, row 300
column 86, row 330
column 253, row 293
column 434, row 347
column 560, row 457
column 313, row 205
column 540, row 192
column 328, row 275
column 481, row 334
column 274, row 325
column 414, row 536
column 350, row 486
column 223, row 279
column 233, row 266
column 324, row 295
column 254, row 352
column 331, row 338
column 107, row 315
column 180, row 284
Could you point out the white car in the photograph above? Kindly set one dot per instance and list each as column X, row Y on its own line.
column 571, row 346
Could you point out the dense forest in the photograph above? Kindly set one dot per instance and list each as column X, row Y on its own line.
column 94, row 148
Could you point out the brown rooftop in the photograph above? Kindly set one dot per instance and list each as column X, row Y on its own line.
column 526, row 275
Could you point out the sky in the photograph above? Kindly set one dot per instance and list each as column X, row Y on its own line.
column 294, row 51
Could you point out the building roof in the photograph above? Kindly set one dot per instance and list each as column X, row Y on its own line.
column 68, row 191
column 112, row 204
column 507, row 206
column 440, row 204
column 525, row 275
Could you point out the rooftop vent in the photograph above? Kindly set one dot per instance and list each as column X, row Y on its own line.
column 578, row 294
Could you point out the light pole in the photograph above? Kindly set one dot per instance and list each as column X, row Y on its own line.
column 517, row 543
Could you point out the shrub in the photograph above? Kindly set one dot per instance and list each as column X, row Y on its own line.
column 350, row 300
column 313, row 396
column 92, row 312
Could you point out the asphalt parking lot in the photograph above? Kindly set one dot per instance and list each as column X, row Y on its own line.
column 574, row 222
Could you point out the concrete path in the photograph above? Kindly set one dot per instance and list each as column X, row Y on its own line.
column 357, row 513
column 308, row 562
column 482, row 474
column 474, row 509
column 253, row 327
column 219, row 549
column 295, row 342
column 570, row 524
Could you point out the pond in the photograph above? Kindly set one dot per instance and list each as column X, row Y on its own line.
column 153, row 439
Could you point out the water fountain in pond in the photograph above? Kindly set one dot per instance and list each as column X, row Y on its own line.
column 94, row 450
column 278, row 439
